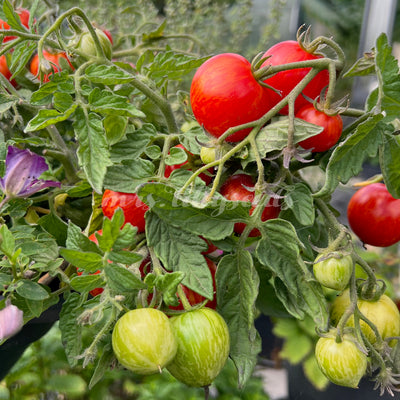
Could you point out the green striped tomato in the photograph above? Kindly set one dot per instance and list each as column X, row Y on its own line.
column 342, row 363
column 203, row 346
column 143, row 341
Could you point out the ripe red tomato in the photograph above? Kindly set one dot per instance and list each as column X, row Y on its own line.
column 5, row 71
column 53, row 58
column 224, row 94
column 97, row 291
column 332, row 124
column 170, row 168
column 286, row 52
column 195, row 298
column 374, row 215
column 134, row 209
column 24, row 17
column 235, row 189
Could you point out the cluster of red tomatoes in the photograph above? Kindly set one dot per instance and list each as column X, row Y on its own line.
column 225, row 93
column 84, row 44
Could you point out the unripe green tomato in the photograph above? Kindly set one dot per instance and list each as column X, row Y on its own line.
column 143, row 341
column 383, row 313
column 207, row 154
column 333, row 272
column 87, row 46
column 342, row 363
column 203, row 346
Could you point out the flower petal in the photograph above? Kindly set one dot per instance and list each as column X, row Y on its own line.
column 11, row 321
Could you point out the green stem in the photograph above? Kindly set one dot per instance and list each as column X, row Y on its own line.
column 182, row 296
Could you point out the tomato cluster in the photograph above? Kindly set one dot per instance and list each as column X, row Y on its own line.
column 193, row 346
column 225, row 93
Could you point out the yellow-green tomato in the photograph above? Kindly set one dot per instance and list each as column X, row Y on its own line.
column 383, row 313
column 143, row 341
column 203, row 346
column 343, row 363
column 87, row 46
column 333, row 272
column 207, row 154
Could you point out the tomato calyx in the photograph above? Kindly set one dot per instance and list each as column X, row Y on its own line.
column 370, row 291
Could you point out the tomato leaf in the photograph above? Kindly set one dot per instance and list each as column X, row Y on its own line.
column 103, row 365
column 179, row 250
column 11, row 17
column 115, row 128
column 299, row 199
column 363, row 66
column 213, row 220
column 87, row 261
column 313, row 372
column 275, row 136
column 93, row 153
column 86, row 283
column 71, row 331
column 237, row 289
column 347, row 159
column 389, row 157
column 106, row 102
column 76, row 240
column 122, row 280
column 45, row 118
column 31, row 290
column 128, row 175
column 107, row 74
column 387, row 69
column 20, row 57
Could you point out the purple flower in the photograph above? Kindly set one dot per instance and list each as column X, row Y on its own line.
column 11, row 321
column 23, row 168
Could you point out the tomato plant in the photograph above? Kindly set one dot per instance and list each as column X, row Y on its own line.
column 143, row 341
column 290, row 51
column 332, row 124
column 117, row 145
column 240, row 187
column 383, row 313
column 374, row 215
column 333, row 270
column 203, row 346
column 224, row 94
column 134, row 209
column 53, row 65
column 342, row 362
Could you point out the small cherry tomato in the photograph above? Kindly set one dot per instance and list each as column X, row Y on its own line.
column 343, row 363
column 374, row 215
column 5, row 71
column 203, row 346
column 286, row 52
column 333, row 272
column 224, row 94
column 54, row 61
column 235, row 189
column 143, row 341
column 383, row 313
column 332, row 124
column 134, row 209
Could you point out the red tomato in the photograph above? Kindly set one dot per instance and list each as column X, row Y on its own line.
column 53, row 58
column 5, row 71
column 224, row 94
column 332, row 124
column 170, row 168
column 195, row 298
column 134, row 209
column 235, row 189
column 24, row 17
column 374, row 215
column 97, row 291
column 290, row 51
